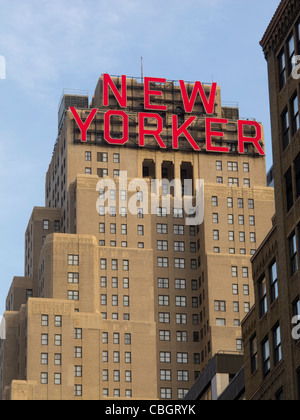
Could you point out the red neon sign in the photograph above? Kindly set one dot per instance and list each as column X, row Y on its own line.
column 189, row 103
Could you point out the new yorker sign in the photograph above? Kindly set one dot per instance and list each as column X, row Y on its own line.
column 177, row 131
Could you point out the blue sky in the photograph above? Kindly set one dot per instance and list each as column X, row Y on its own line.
column 57, row 44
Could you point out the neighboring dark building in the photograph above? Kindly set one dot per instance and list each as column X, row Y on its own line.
column 272, row 354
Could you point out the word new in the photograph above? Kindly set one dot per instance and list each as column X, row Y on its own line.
column 177, row 131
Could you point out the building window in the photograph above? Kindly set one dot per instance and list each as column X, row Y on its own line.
column 240, row 203
column 44, row 358
column 293, row 253
column 179, row 263
column 246, row 167
column 219, row 165
column 182, row 376
column 58, row 321
column 165, row 357
column 128, row 339
column 164, row 335
column 73, row 260
column 285, row 126
column 73, row 278
column 116, row 157
column 165, row 375
column 236, row 307
column 182, row 358
column 234, row 271
column 105, row 375
column 46, row 224
column 163, row 283
column 162, row 245
column 273, row 281
column 180, row 284
column 164, row 318
column 73, row 295
column 125, row 265
column 263, row 296
column 215, row 218
column 57, row 359
column 163, row 300
column 114, row 265
column 282, row 69
column 233, row 182
column 44, row 339
column 58, row 340
column 246, row 307
column 44, row 378
column 245, row 272
column 216, row 235
column 78, row 333
column 232, row 166
column 297, row 174
column 266, row 357
column 214, row 201
column 291, row 53
column 277, row 345
column 102, row 157
column 128, row 376
column 289, row 190
column 239, row 345
column 220, row 306
column 166, row 393
column 295, row 114
column 253, row 354
column 180, row 301
column 77, row 390
column 161, row 228
column 44, row 320
column 78, row 371
column 162, row 262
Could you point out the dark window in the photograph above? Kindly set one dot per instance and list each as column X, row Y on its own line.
column 295, row 114
column 253, row 354
column 297, row 174
column 298, row 382
column 279, row 395
column 289, row 190
column 282, row 69
column 285, row 124
column 293, row 253
column 298, row 36
column 263, row 296
column 266, row 357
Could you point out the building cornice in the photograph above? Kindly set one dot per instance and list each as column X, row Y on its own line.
column 279, row 25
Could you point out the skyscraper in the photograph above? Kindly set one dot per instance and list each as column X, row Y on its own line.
column 125, row 294
column 271, row 330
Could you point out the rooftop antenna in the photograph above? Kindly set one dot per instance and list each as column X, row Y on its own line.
column 142, row 69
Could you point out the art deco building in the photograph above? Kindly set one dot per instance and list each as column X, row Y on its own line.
column 272, row 352
column 122, row 305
